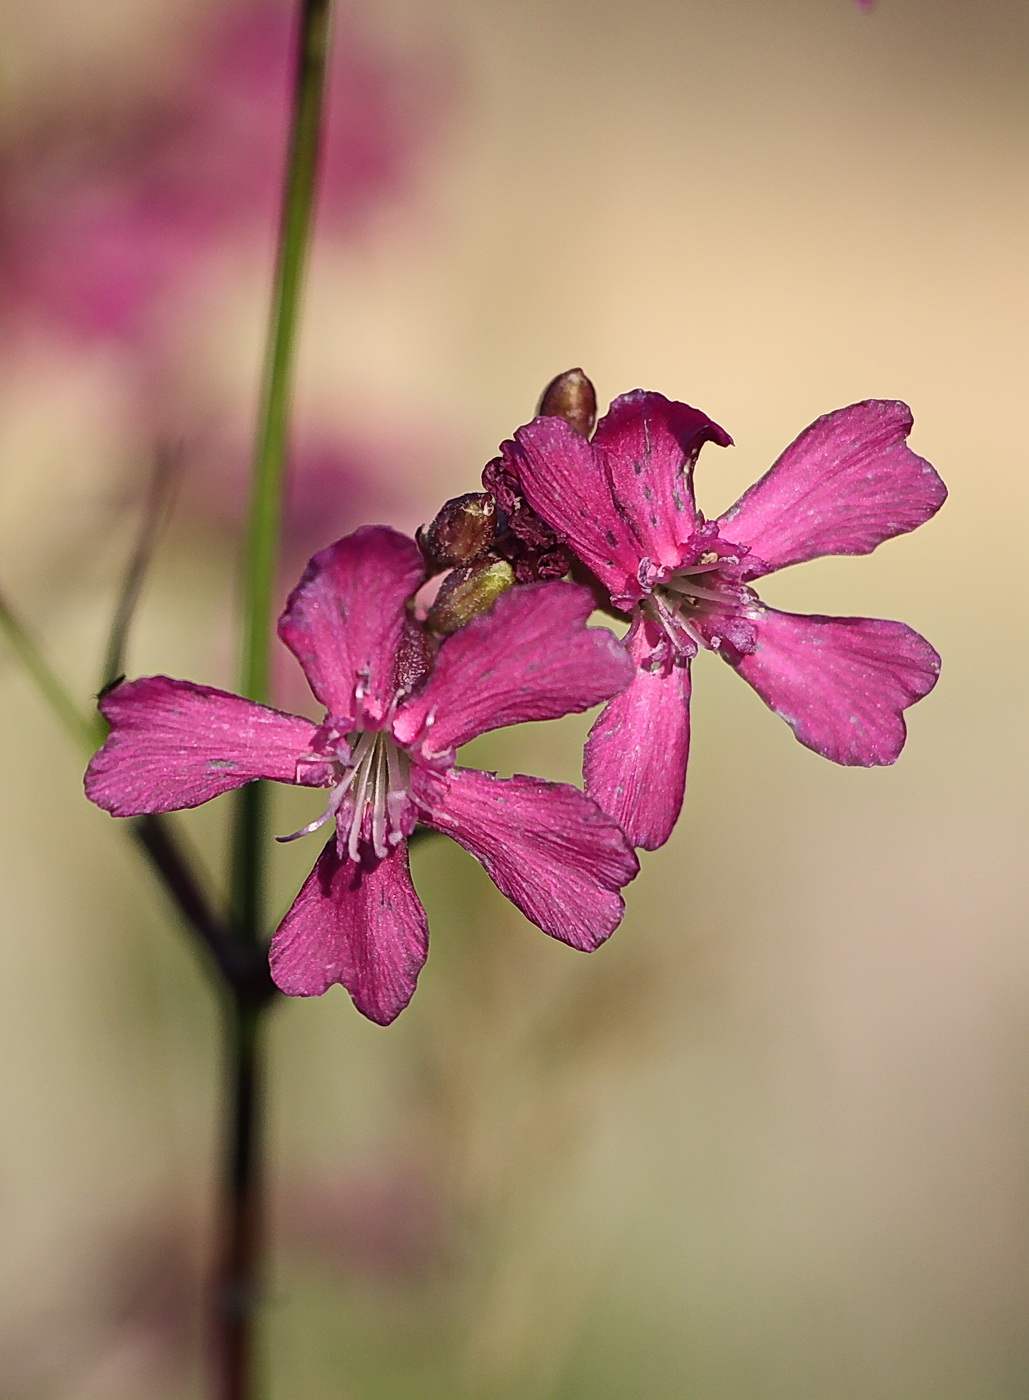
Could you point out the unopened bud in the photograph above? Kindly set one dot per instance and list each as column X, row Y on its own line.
column 467, row 592
column 572, row 397
column 464, row 528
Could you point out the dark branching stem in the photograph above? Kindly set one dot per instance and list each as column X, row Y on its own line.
column 240, row 1246
column 241, row 968
column 156, row 510
column 241, row 972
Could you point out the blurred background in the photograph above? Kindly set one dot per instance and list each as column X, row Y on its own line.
column 769, row 1143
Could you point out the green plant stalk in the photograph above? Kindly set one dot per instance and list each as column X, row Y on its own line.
column 262, row 544
column 87, row 734
column 157, row 507
column 170, row 858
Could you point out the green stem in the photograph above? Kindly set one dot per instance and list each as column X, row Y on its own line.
column 273, row 426
column 156, row 509
column 88, row 735
column 169, row 856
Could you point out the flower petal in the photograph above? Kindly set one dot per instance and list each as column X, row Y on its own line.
column 846, row 484
column 649, row 446
column 565, row 481
column 174, row 745
column 362, row 926
column 635, row 758
column 344, row 620
column 841, row 683
column 531, row 656
column 546, row 846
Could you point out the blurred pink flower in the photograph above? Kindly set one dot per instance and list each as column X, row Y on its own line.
column 335, row 482
column 624, row 505
column 104, row 206
column 387, row 1220
column 386, row 751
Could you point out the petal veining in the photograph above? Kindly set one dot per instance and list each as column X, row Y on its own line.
column 345, row 620
column 174, row 744
column 649, row 445
column 841, row 683
column 546, row 846
column 636, row 753
column 530, row 657
column 565, row 481
column 847, row 483
column 360, row 925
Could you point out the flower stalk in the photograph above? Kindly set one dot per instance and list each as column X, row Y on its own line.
column 238, row 1271
column 246, row 998
column 86, row 733
column 262, row 544
column 169, row 856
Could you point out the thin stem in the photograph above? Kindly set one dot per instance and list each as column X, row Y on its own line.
column 273, row 425
column 156, row 508
column 242, row 967
column 169, row 856
column 237, row 1279
column 50, row 686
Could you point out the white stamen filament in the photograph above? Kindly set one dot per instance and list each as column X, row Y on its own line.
column 398, row 774
column 672, row 621
column 376, row 780
column 685, row 587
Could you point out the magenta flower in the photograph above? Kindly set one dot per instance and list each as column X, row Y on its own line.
column 624, row 504
column 385, row 751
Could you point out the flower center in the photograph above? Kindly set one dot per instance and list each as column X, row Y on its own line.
column 695, row 605
column 370, row 801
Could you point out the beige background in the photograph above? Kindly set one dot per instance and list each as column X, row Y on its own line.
column 770, row 1142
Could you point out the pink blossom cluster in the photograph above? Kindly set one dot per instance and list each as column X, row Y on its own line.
column 574, row 518
column 109, row 203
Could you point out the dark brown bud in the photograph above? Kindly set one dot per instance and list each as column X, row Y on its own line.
column 467, row 592
column 572, row 397
column 464, row 528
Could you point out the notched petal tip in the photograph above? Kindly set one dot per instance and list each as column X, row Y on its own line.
column 546, row 846
column 842, row 684
column 357, row 924
column 847, row 483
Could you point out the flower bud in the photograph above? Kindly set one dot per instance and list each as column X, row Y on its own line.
column 469, row 591
column 464, row 528
column 572, row 397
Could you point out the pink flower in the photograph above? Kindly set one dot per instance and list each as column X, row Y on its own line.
column 624, row 504
column 386, row 750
